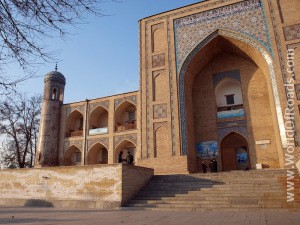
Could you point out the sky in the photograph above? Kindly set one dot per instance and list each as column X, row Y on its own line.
column 101, row 58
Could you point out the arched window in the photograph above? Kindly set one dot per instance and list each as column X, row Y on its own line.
column 54, row 94
column 228, row 94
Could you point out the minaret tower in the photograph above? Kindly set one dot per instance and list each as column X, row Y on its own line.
column 47, row 149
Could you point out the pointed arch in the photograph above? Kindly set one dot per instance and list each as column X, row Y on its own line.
column 234, row 152
column 97, row 154
column 125, row 116
column 98, row 121
column 74, row 124
column 125, row 146
column 238, row 44
column 72, row 156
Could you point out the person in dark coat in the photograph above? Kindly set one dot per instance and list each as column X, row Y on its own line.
column 120, row 158
column 215, row 165
column 129, row 158
column 204, row 166
column 211, row 166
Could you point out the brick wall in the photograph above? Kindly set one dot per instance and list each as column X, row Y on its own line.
column 84, row 186
column 133, row 179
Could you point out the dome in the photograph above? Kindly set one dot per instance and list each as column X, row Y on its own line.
column 55, row 76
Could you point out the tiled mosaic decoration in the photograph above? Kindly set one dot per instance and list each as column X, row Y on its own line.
column 160, row 111
column 119, row 101
column 246, row 17
column 292, row 32
column 130, row 137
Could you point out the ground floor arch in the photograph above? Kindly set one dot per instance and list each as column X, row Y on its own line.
column 234, row 150
column 125, row 147
column 97, row 154
column 72, row 156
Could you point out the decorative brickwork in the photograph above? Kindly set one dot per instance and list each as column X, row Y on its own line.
column 129, row 137
column 158, row 60
column 79, row 108
column 119, row 101
column 104, row 104
column 77, row 143
column 160, row 111
column 245, row 17
column 292, row 32
column 104, row 141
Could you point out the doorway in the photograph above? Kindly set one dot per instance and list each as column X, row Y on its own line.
column 234, row 153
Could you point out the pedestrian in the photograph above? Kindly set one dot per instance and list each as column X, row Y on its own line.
column 120, row 158
column 129, row 158
column 215, row 165
column 211, row 166
column 204, row 166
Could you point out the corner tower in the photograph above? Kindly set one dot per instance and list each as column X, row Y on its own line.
column 47, row 151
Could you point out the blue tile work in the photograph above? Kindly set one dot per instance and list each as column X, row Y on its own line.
column 246, row 17
column 223, row 132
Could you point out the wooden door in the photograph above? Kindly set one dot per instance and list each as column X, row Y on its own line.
column 229, row 159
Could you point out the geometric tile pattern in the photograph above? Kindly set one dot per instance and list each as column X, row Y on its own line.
column 79, row 108
column 129, row 137
column 160, row 111
column 76, row 143
column 104, row 141
column 131, row 99
column 223, row 132
column 158, row 60
column 246, row 17
column 104, row 104
column 292, row 32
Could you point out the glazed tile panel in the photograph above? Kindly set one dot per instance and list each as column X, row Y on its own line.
column 246, row 17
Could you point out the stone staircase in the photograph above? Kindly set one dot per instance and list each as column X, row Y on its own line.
column 227, row 191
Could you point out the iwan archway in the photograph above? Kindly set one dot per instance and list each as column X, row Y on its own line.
column 256, row 114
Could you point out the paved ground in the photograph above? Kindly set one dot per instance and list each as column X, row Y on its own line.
column 45, row 216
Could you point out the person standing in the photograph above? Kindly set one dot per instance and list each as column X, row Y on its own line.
column 204, row 166
column 120, row 158
column 215, row 165
column 129, row 158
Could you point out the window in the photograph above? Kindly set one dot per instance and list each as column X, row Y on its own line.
column 54, row 94
column 229, row 99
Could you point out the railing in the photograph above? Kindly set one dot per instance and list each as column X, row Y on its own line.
column 231, row 114
column 126, row 126
column 96, row 131
column 77, row 133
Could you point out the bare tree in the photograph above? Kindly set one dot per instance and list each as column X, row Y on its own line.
column 24, row 24
column 19, row 124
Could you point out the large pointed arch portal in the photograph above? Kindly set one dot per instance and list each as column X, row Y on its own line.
column 219, row 41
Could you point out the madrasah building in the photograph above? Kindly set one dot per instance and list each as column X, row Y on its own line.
column 218, row 79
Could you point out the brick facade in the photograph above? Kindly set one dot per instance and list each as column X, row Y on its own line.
column 181, row 51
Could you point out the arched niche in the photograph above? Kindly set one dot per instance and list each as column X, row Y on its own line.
column 231, row 46
column 72, row 156
column 74, row 125
column 125, row 146
column 97, row 154
column 125, row 117
column 228, row 93
column 98, row 122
